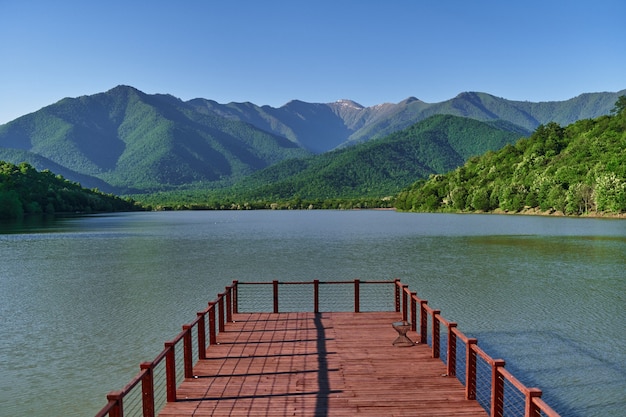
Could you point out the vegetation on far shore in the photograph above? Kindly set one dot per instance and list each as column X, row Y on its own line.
column 24, row 190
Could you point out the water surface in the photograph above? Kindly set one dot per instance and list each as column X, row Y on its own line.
column 83, row 300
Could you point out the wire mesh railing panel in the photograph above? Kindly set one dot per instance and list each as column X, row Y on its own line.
column 443, row 342
column 133, row 402
column 377, row 297
column 483, row 383
column 514, row 403
column 295, row 297
column 180, row 362
column 461, row 351
column 160, row 386
column 255, row 298
column 195, row 355
column 336, row 297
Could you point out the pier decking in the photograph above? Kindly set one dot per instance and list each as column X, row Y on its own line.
column 314, row 351
column 325, row 364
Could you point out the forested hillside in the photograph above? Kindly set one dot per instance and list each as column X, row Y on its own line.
column 578, row 169
column 128, row 141
column 24, row 190
column 380, row 167
column 374, row 171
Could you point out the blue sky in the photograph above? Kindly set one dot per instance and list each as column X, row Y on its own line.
column 270, row 52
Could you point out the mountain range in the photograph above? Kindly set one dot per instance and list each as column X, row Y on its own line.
column 126, row 141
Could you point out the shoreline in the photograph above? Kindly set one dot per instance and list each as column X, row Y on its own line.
column 526, row 212
column 558, row 213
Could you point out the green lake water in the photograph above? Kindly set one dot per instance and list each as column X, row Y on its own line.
column 83, row 300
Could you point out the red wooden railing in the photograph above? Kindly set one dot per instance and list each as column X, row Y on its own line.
column 498, row 401
column 413, row 309
column 218, row 312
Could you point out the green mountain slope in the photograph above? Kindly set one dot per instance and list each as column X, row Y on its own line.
column 138, row 142
column 576, row 169
column 377, row 168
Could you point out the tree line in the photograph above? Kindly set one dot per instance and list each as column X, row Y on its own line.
column 24, row 190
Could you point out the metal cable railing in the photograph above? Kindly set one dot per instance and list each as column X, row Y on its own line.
column 160, row 387
column 483, row 383
column 155, row 385
column 484, row 378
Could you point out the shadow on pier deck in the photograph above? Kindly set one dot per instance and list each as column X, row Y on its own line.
column 324, row 364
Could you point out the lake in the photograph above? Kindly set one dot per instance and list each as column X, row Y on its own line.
column 83, row 300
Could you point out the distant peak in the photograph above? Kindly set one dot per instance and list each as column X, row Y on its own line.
column 122, row 87
column 467, row 94
column 294, row 102
column 123, row 91
column 409, row 100
column 349, row 103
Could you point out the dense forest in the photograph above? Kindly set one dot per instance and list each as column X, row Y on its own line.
column 24, row 190
column 365, row 175
column 575, row 170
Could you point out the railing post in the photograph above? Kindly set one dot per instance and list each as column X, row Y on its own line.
column 229, row 305
column 357, row 296
column 316, row 296
column 220, row 304
column 497, row 388
column 275, row 286
column 212, row 335
column 397, row 287
column 187, row 351
column 436, row 333
column 470, row 371
column 451, row 353
column 235, row 298
column 201, row 336
column 423, row 322
column 405, row 303
column 531, row 409
column 170, row 371
column 413, row 311
column 147, row 389
column 118, row 409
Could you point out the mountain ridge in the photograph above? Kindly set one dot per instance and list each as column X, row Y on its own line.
column 126, row 141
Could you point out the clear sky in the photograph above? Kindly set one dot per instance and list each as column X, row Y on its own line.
column 270, row 52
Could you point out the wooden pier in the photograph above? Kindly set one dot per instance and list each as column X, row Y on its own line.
column 326, row 364
column 323, row 355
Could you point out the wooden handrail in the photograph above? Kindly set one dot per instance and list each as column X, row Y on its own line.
column 539, row 405
column 533, row 404
column 406, row 302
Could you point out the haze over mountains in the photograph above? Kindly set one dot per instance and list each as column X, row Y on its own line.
column 126, row 141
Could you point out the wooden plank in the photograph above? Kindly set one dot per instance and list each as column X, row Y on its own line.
column 329, row 364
